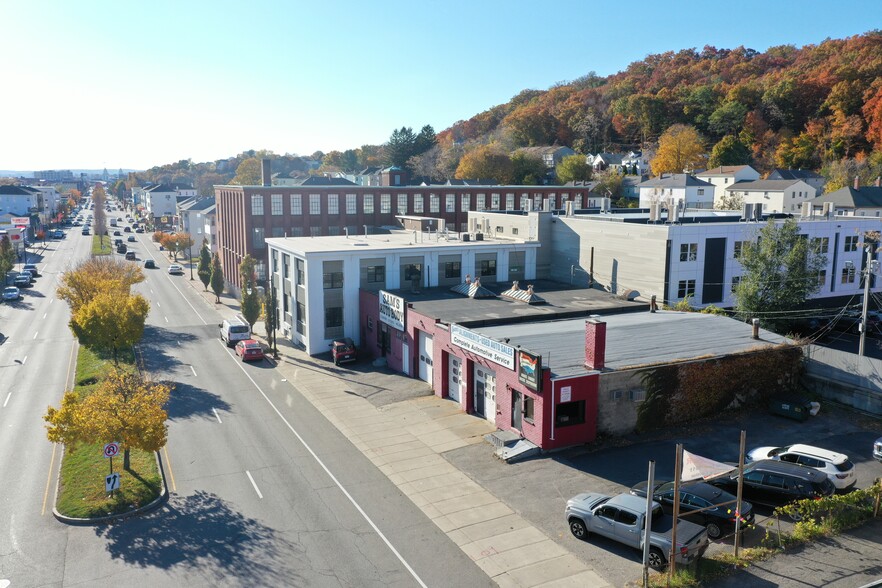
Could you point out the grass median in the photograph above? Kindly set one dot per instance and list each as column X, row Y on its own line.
column 83, row 468
column 101, row 246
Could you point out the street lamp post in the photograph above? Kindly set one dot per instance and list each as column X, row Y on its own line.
column 190, row 256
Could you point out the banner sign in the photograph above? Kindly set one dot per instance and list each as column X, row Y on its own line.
column 20, row 221
column 484, row 346
column 392, row 310
column 530, row 370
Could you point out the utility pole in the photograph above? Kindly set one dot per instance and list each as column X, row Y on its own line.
column 869, row 270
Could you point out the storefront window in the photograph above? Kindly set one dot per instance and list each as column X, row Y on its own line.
column 568, row 414
column 528, row 409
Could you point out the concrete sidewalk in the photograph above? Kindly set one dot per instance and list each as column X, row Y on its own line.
column 405, row 439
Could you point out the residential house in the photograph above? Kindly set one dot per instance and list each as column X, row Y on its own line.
column 550, row 155
column 679, row 189
column 604, row 161
column 854, row 200
column 726, row 175
column 191, row 217
column 785, row 196
column 636, row 163
column 811, row 178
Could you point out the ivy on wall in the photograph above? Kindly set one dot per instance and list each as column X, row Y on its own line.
column 684, row 392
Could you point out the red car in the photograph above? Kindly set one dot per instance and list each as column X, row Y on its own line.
column 343, row 350
column 249, row 350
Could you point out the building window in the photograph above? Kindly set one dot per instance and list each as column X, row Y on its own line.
column 848, row 275
column 514, row 230
column 332, row 280
column 333, row 230
column 418, row 203
column 739, row 248
column 487, row 267
column 494, row 201
column 278, row 232
column 258, row 238
column 822, row 279
column 333, row 204
column 301, row 272
column 369, row 204
column 688, row 251
column 301, row 318
column 529, row 409
column 296, row 204
column 434, row 203
column 275, row 257
column 402, row 203
column 450, row 203
column 276, row 204
column 509, row 202
column 385, row 203
column 296, row 231
column 821, row 244
column 480, row 202
column 685, row 288
column 315, row 231
column 256, row 204
column 333, row 317
column 851, row 243
column 735, row 281
column 376, row 274
column 315, row 204
column 351, row 204
column 701, row 191
column 286, row 265
column 525, row 202
column 453, row 269
column 567, row 414
column 465, row 202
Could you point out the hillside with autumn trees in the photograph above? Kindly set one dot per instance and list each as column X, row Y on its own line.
column 816, row 107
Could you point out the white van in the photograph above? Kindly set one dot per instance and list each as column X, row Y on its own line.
column 234, row 330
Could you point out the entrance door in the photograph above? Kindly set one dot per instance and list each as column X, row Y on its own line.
column 517, row 402
column 454, row 378
column 405, row 358
column 485, row 393
column 490, row 397
column 426, row 349
column 479, row 397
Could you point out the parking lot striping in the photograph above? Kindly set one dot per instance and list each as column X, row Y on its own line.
column 48, row 479
column 5, row 402
column 171, row 474
column 217, row 416
column 192, row 369
column 253, row 483
column 332, row 476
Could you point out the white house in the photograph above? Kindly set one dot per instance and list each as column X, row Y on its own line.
column 784, row 196
column 209, row 228
column 680, row 188
column 191, row 217
column 726, row 175
column 638, row 160
column 811, row 178
column 853, row 200
column 161, row 201
column 603, row 161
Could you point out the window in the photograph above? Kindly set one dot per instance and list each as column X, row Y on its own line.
column 848, row 275
column 369, row 204
column 257, row 204
column 276, row 204
column 296, row 231
column 376, row 274
column 351, row 204
column 685, row 288
column 278, row 231
column 509, row 202
column 851, row 243
column 301, row 317
column 465, row 202
column 333, row 204
column 487, row 267
column 514, row 230
column 701, row 191
column 688, row 251
column 821, row 244
column 822, row 279
column 637, row 395
column 402, row 203
column 315, row 204
column 333, row 230
column 452, row 269
column 333, row 317
column 333, row 280
column 258, row 237
column 626, row 518
column 418, row 203
column 286, row 265
column 315, row 231
column 450, row 203
column 275, row 257
column 301, row 272
column 528, row 409
column 480, row 202
column 296, row 204
column 385, row 203
column 525, row 202
column 568, row 414
column 434, row 203
column 739, row 248
column 735, row 281
column 494, row 201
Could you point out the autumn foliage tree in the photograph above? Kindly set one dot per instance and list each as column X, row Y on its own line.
column 574, row 168
column 110, row 321
column 679, row 148
column 95, row 275
column 7, row 256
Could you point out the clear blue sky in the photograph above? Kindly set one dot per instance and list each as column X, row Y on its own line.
column 95, row 83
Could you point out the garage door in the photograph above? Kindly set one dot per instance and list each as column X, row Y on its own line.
column 426, row 351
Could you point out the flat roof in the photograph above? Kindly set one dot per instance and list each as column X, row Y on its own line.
column 635, row 339
column 562, row 301
column 393, row 240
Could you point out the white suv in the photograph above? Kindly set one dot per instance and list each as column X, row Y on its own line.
column 836, row 465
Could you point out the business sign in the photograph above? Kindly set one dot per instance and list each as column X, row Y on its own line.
column 392, row 310
column 20, row 221
column 530, row 370
column 486, row 347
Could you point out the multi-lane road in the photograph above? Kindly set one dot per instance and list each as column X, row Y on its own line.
column 264, row 491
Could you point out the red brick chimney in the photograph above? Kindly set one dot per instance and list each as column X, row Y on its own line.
column 879, row 181
column 595, row 344
column 857, row 183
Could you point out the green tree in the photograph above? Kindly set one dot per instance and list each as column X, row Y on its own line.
column 110, row 322
column 679, row 148
column 526, row 170
column 217, row 277
column 204, row 269
column 7, row 256
column 400, row 146
column 728, row 119
column 124, row 408
column 250, row 301
column 729, row 151
column 425, row 140
column 574, row 168
column 780, row 272
column 248, row 173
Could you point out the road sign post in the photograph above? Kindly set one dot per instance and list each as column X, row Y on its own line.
column 111, row 483
column 111, row 449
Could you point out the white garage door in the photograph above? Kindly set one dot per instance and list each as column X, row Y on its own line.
column 426, row 351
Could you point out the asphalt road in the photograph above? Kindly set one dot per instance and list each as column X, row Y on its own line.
column 264, row 491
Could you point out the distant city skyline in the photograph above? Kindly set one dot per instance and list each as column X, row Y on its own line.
column 121, row 85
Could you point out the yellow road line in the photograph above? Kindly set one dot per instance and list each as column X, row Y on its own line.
column 48, row 479
column 168, row 465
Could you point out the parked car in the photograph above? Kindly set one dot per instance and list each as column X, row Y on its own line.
column 59, row 234
column 121, row 248
column 130, row 255
column 703, row 504
column 836, row 465
column 23, row 280
column 877, row 449
column 149, row 264
column 176, row 270
column 775, row 483
column 249, row 350
column 117, row 242
column 343, row 350
column 621, row 518
column 32, row 268
column 131, row 239
column 11, row 293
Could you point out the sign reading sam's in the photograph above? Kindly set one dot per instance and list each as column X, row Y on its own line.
column 392, row 310
column 484, row 346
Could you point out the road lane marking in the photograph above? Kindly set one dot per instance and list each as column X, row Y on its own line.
column 333, row 478
column 158, row 304
column 70, row 363
column 192, row 369
column 217, row 416
column 166, row 318
column 35, row 334
column 5, row 402
column 44, row 314
column 51, row 300
column 253, row 483
column 205, row 322
column 48, row 479
column 171, row 474
column 25, row 360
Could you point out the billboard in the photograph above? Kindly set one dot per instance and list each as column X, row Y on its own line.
column 530, row 370
column 20, row 221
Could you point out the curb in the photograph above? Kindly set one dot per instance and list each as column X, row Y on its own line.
column 114, row 518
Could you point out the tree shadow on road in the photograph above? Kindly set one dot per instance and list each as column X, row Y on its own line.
column 204, row 534
column 159, row 348
column 187, row 401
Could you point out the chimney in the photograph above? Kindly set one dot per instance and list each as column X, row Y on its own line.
column 266, row 177
column 879, row 181
column 857, row 183
column 595, row 344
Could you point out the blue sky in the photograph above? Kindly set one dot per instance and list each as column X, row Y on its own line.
column 95, row 83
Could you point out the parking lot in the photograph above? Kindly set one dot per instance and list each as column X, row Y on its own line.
column 539, row 488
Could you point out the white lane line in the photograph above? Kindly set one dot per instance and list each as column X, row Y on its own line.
column 178, row 342
column 51, row 300
column 25, row 360
column 256, row 489
column 158, row 304
column 330, row 475
column 192, row 369
column 44, row 315
column 35, row 334
column 5, row 402
column 204, row 322
column 214, row 410
column 166, row 318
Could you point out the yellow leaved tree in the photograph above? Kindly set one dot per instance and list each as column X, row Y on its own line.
column 680, row 148
column 110, row 321
column 97, row 274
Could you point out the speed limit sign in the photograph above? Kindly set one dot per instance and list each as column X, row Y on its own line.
column 111, row 450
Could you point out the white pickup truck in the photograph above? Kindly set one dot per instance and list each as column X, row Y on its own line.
column 621, row 518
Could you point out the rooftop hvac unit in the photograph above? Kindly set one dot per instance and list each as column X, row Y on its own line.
column 486, row 224
column 806, row 209
column 442, row 225
column 758, row 211
column 674, row 214
column 548, row 206
column 747, row 211
column 654, row 212
column 528, row 206
column 605, row 204
column 473, row 225
column 569, row 208
column 466, row 237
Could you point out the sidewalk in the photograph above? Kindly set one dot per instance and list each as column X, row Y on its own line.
column 405, row 438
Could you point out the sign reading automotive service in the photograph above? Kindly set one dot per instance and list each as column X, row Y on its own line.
column 392, row 310
column 530, row 370
column 20, row 221
column 484, row 346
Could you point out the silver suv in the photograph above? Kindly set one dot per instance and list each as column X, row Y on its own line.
column 836, row 465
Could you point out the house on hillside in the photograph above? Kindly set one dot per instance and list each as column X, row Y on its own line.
column 603, row 161
column 682, row 188
column 550, row 155
column 636, row 163
column 855, row 200
column 811, row 178
column 784, row 196
column 726, row 175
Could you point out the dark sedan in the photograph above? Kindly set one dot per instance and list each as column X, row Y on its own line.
column 775, row 483
column 703, row 504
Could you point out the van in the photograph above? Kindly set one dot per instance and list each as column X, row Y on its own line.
column 234, row 330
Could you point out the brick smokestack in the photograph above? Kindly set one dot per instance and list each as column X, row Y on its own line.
column 595, row 344
column 857, row 183
column 266, row 176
